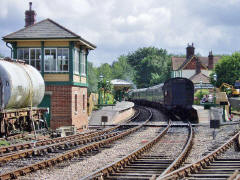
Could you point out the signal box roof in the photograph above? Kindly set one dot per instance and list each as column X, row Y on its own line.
column 46, row 29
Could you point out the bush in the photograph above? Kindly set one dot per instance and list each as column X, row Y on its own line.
column 199, row 95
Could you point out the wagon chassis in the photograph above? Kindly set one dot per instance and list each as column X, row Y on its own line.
column 20, row 120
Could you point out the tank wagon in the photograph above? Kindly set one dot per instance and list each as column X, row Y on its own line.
column 175, row 97
column 21, row 90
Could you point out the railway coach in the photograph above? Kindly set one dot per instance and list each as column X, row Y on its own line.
column 175, row 96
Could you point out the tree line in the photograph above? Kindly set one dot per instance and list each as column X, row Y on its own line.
column 144, row 67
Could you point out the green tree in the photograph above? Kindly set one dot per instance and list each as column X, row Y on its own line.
column 135, row 57
column 105, row 70
column 1, row 55
column 151, row 65
column 92, row 78
column 227, row 70
column 152, row 70
column 122, row 70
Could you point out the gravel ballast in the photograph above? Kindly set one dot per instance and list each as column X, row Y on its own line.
column 170, row 145
column 77, row 168
column 204, row 143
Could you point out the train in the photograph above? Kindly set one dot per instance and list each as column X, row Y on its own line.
column 175, row 97
column 22, row 89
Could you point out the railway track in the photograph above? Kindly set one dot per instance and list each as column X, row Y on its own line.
column 13, row 139
column 142, row 165
column 212, row 166
column 51, row 157
column 30, row 145
column 16, row 136
column 9, row 153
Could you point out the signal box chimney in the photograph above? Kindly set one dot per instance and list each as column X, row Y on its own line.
column 30, row 16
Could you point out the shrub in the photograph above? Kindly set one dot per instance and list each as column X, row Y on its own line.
column 199, row 95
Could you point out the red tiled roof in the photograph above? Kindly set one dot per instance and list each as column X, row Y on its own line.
column 177, row 62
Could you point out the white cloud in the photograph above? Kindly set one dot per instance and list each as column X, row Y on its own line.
column 4, row 10
column 118, row 27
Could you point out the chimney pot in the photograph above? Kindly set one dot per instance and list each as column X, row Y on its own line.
column 30, row 16
column 30, row 6
column 190, row 51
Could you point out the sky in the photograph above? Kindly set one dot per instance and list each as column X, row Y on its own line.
column 119, row 27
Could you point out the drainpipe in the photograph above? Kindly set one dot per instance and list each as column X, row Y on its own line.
column 9, row 48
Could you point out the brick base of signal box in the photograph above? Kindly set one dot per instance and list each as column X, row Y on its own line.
column 68, row 106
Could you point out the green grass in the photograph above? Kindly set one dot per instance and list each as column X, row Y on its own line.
column 4, row 143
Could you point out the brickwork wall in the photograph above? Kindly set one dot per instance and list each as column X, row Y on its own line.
column 79, row 117
column 192, row 64
column 60, row 103
column 63, row 106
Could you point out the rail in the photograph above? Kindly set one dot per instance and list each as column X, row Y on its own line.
column 69, row 154
column 104, row 172
column 40, row 150
column 16, row 147
column 180, row 159
column 194, row 167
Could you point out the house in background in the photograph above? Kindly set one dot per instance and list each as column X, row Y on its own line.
column 61, row 57
column 195, row 68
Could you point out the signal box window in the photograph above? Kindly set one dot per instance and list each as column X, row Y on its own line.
column 31, row 56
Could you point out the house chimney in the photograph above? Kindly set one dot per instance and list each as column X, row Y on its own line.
column 190, row 51
column 30, row 16
column 210, row 60
column 198, row 66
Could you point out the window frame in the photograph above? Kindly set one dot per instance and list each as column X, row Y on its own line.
column 35, row 59
column 29, row 56
column 83, row 63
column 75, row 103
column 56, row 64
column 52, row 48
column 84, row 104
column 62, row 59
column 76, row 51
